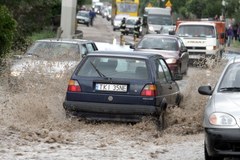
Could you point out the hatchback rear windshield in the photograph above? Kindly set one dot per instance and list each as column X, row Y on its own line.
column 113, row 67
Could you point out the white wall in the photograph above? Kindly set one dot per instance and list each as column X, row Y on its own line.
column 68, row 18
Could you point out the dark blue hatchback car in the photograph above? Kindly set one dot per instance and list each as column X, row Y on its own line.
column 122, row 86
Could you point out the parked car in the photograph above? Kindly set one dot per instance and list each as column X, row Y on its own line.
column 117, row 21
column 221, row 116
column 170, row 47
column 130, row 22
column 52, row 56
column 122, row 86
column 83, row 17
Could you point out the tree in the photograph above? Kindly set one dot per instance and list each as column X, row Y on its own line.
column 7, row 30
column 197, row 7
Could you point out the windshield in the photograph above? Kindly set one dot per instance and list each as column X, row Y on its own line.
column 83, row 14
column 196, row 31
column 131, row 21
column 127, row 7
column 158, row 43
column 55, row 50
column 231, row 78
column 112, row 67
column 159, row 19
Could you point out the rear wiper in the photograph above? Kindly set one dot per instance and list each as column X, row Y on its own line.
column 99, row 73
column 230, row 89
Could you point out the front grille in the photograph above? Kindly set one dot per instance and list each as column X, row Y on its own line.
column 200, row 48
column 228, row 146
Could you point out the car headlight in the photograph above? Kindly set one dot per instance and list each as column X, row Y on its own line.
column 222, row 119
column 171, row 60
column 210, row 47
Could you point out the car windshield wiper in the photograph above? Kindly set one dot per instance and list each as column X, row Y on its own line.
column 230, row 89
column 157, row 48
column 99, row 73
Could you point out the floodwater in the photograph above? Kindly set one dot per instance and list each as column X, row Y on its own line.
column 31, row 114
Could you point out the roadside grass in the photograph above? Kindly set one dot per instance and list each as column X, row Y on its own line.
column 42, row 35
column 236, row 44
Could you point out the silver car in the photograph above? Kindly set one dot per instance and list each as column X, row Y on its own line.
column 83, row 17
column 222, row 114
column 51, row 56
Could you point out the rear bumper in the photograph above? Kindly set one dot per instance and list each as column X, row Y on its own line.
column 109, row 110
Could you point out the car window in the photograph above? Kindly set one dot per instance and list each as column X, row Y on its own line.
column 158, row 43
column 181, row 43
column 90, row 47
column 113, row 67
column 163, row 73
column 231, row 77
column 54, row 50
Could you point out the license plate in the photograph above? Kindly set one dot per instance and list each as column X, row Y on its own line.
column 194, row 56
column 111, row 87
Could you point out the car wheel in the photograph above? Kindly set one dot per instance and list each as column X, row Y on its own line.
column 208, row 157
column 161, row 120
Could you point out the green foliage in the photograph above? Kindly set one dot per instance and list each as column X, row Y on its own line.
column 42, row 35
column 7, row 30
column 31, row 16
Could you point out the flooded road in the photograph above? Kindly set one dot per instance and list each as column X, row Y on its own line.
column 34, row 126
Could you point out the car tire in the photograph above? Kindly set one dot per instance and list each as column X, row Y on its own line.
column 161, row 120
column 208, row 157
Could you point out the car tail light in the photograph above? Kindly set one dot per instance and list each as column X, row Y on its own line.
column 149, row 90
column 73, row 86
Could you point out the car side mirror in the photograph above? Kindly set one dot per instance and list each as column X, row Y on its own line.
column 171, row 32
column 132, row 46
column 205, row 90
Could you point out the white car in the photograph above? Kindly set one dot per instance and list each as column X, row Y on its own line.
column 118, row 20
column 130, row 22
column 83, row 17
column 51, row 57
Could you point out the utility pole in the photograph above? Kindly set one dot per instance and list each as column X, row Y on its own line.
column 68, row 18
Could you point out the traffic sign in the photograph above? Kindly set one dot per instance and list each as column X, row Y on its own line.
column 168, row 4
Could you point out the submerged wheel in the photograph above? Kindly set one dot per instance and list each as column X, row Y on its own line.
column 161, row 120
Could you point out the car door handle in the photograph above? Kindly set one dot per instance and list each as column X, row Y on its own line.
column 170, row 87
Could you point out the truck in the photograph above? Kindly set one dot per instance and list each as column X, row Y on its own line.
column 203, row 38
column 156, row 19
column 125, row 7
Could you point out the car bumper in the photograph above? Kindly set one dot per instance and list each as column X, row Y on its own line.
column 105, row 111
column 225, row 142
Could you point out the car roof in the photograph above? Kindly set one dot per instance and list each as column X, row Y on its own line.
column 128, row 54
column 161, row 35
column 65, row 40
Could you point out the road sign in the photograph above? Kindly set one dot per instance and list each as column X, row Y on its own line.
column 168, row 4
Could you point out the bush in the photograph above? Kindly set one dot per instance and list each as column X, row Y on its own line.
column 7, row 30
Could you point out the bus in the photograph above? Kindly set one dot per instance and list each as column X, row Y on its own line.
column 126, row 7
